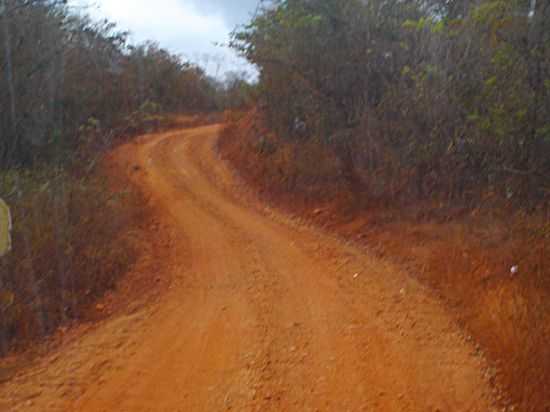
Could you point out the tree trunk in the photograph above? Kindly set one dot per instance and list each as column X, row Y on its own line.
column 7, row 150
column 538, row 37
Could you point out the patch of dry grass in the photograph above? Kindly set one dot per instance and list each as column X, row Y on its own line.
column 68, row 249
column 463, row 254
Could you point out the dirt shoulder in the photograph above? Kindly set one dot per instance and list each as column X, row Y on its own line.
column 54, row 372
column 262, row 314
column 463, row 256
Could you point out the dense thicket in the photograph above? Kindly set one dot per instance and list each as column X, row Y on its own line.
column 67, row 85
column 60, row 71
column 424, row 97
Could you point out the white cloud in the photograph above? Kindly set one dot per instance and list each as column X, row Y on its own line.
column 177, row 25
column 166, row 18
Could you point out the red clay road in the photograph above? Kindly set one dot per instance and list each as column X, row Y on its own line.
column 264, row 314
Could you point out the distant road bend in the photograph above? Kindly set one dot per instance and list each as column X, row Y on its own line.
column 263, row 315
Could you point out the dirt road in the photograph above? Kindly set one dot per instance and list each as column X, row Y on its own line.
column 263, row 315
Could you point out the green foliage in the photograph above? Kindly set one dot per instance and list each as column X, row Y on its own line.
column 457, row 90
column 68, row 86
column 66, row 68
column 490, row 12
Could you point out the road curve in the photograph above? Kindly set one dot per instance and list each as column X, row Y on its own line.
column 268, row 315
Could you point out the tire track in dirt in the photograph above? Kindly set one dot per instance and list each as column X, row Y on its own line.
column 265, row 315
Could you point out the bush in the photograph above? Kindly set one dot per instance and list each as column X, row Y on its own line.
column 437, row 100
column 67, row 249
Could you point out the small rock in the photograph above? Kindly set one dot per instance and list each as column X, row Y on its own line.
column 100, row 307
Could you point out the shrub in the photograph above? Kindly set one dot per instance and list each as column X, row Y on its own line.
column 67, row 249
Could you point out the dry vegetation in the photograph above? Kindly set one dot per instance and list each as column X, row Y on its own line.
column 72, row 89
column 464, row 254
column 420, row 128
column 68, row 249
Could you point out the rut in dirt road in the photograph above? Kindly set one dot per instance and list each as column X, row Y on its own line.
column 265, row 315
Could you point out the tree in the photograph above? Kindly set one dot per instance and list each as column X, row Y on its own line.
column 449, row 91
column 61, row 70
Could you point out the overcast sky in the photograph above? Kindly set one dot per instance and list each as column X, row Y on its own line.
column 187, row 27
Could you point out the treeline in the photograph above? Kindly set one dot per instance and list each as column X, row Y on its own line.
column 418, row 99
column 61, row 70
column 69, row 86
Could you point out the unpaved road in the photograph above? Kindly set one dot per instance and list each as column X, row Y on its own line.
column 263, row 315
